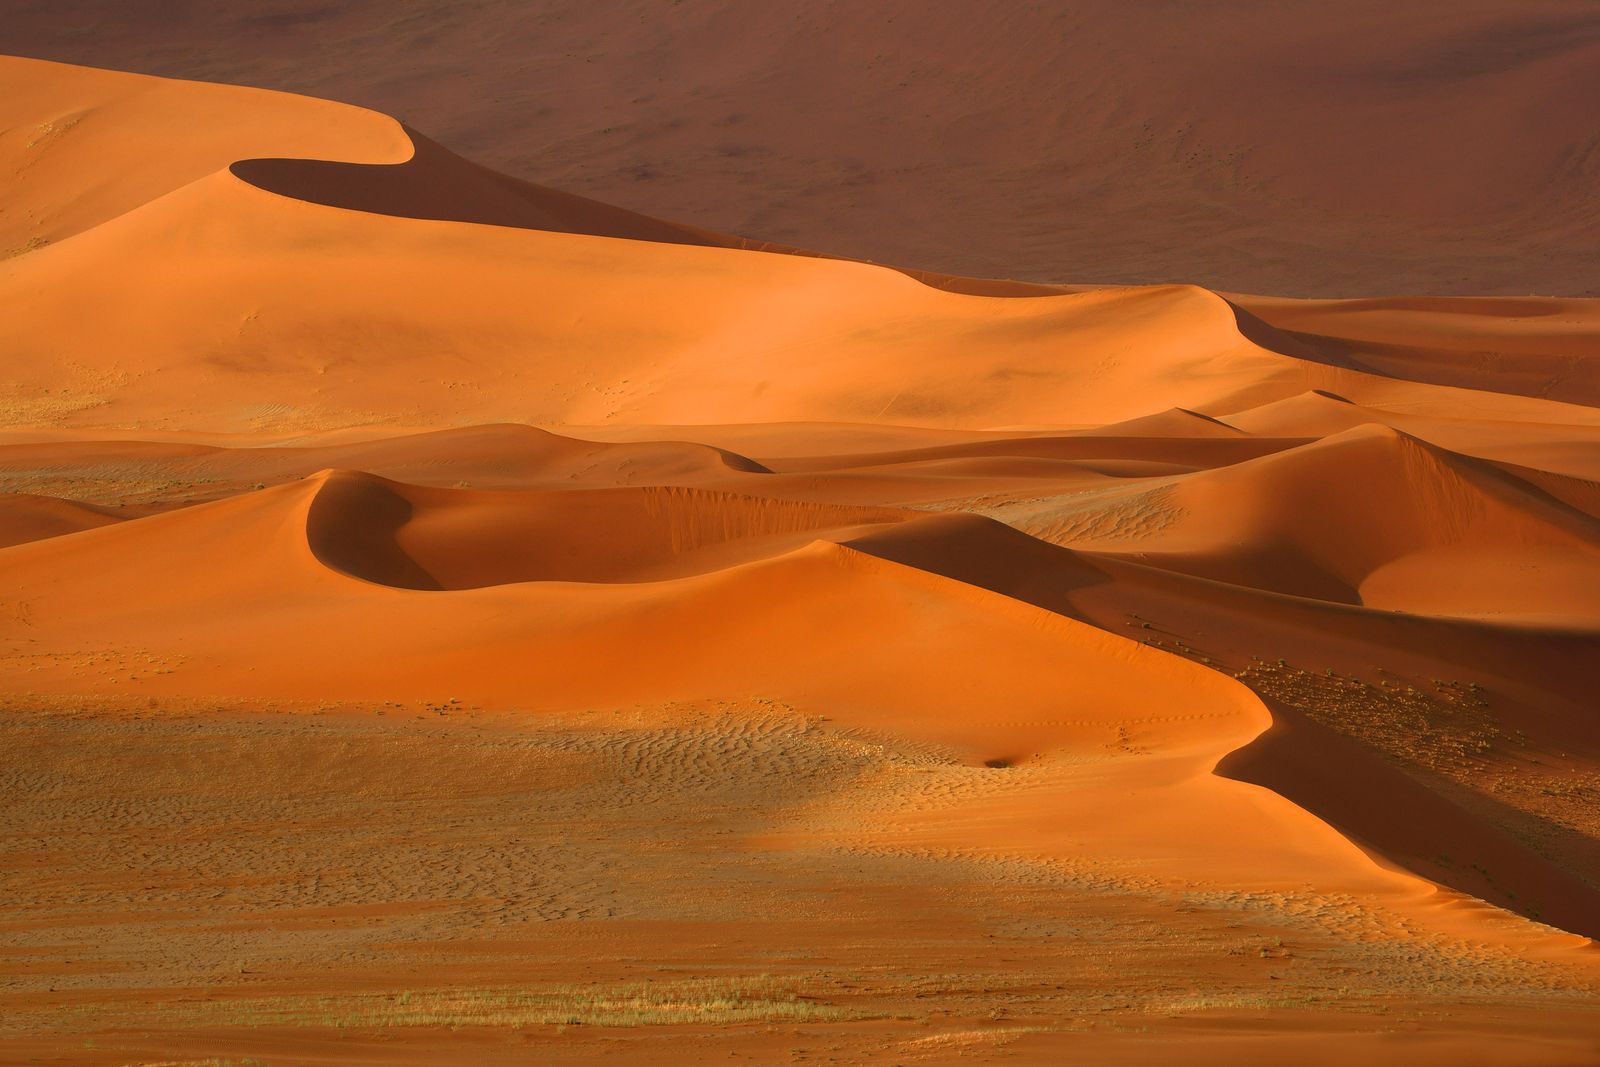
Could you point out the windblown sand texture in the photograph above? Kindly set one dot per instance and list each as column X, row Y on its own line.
column 1297, row 147
column 443, row 619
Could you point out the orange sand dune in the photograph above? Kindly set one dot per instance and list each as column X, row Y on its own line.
column 763, row 627
column 814, row 320
column 1530, row 347
column 1356, row 149
column 506, row 456
column 78, row 143
column 60, row 188
column 464, row 539
column 24, row 517
column 720, row 322
column 1367, row 516
column 444, row 617
column 1555, row 447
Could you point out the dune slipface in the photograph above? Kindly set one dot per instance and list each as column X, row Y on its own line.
column 444, row 619
column 1354, row 149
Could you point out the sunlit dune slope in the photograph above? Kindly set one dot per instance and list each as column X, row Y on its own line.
column 791, row 625
column 205, row 284
column 1532, row 347
column 1356, row 149
column 81, row 146
column 363, row 589
column 419, row 538
column 24, row 517
column 72, row 127
column 1368, row 516
column 164, row 474
column 533, row 326
column 1225, row 605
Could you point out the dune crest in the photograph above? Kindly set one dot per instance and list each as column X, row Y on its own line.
column 409, row 570
column 420, row 538
column 1132, row 145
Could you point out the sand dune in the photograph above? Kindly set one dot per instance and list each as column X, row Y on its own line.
column 80, row 147
column 1368, row 516
column 24, row 517
column 1356, row 150
column 462, row 539
column 810, row 319
column 769, row 623
column 1530, row 347
column 162, row 474
column 720, row 323
column 409, row 574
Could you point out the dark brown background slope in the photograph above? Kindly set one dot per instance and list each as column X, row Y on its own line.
column 1292, row 146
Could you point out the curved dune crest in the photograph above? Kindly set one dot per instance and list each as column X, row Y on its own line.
column 1132, row 144
column 1530, row 346
column 439, row 185
column 955, row 663
column 334, row 155
column 25, row 517
column 1235, row 641
column 1371, row 516
column 766, row 620
column 436, row 184
column 84, row 146
column 419, row 538
column 657, row 333
column 167, row 474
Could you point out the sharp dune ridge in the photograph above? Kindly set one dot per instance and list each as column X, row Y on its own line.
column 1348, row 511
column 612, row 598
column 1189, row 331
column 1358, row 150
column 25, row 517
column 459, row 538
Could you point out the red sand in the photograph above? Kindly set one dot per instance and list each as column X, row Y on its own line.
column 1120, row 674
column 1360, row 148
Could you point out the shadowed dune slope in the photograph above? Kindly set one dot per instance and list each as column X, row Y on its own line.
column 1199, row 643
column 521, row 325
column 657, row 333
column 421, row 538
column 437, row 184
column 952, row 664
column 736, row 592
column 158, row 475
column 1370, row 516
column 882, row 130
column 24, row 517
column 1531, row 347
column 1314, row 766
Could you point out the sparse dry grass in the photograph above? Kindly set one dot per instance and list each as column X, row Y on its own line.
column 1058, row 943
column 705, row 1001
column 1446, row 728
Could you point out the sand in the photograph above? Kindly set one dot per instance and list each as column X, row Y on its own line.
column 1296, row 148
column 446, row 618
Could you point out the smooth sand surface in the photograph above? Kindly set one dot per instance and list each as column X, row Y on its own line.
column 444, row 619
column 1361, row 148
